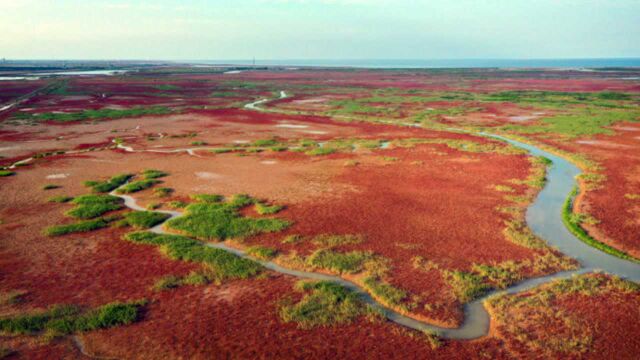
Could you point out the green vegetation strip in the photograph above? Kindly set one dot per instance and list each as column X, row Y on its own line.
column 136, row 186
column 573, row 224
column 223, row 264
column 111, row 184
column 93, row 114
column 69, row 319
column 145, row 219
column 81, row 226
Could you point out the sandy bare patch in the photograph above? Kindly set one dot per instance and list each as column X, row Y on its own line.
column 268, row 162
column 57, row 176
column 315, row 132
column 208, row 175
column 601, row 143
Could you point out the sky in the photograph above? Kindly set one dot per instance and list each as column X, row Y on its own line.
column 318, row 29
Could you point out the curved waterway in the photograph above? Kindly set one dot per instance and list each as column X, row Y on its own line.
column 544, row 217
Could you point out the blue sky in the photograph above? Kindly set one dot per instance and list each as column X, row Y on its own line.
column 318, row 29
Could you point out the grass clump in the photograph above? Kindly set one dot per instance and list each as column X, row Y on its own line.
column 264, row 209
column 466, row 286
column 153, row 174
column 111, row 184
column 4, row 173
column 326, row 303
column 331, row 240
column 632, row 196
column 136, row 186
column 342, row 263
column 51, row 187
column 82, row 226
column 91, row 206
column 262, row 252
column 292, row 239
column 172, row 282
column 573, row 224
column 145, row 219
column 386, row 293
column 220, row 221
column 68, row 319
column 12, row 297
column 60, row 199
column 222, row 264
column 162, row 191
column 177, row 204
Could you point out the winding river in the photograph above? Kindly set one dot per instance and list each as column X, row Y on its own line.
column 544, row 217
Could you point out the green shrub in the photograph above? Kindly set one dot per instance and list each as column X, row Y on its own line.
column 136, row 186
column 178, row 204
column 109, row 185
column 91, row 206
column 145, row 219
column 327, row 303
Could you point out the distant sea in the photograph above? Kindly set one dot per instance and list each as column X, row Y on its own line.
column 440, row 63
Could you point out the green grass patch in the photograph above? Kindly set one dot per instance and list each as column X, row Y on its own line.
column 220, row 221
column 81, row 226
column 109, row 185
column 4, row 173
column 91, row 206
column 326, row 303
column 573, row 224
column 68, row 319
column 154, row 174
column 342, row 263
column 136, row 186
column 223, row 265
column 145, row 219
